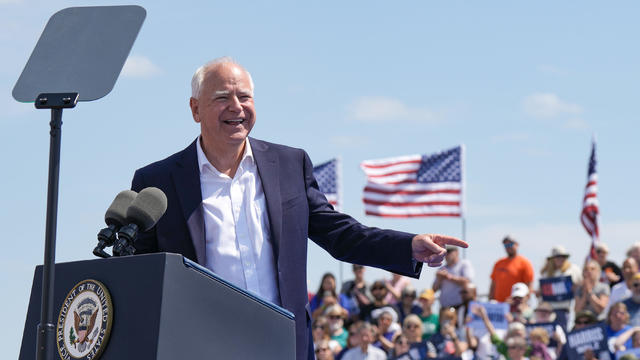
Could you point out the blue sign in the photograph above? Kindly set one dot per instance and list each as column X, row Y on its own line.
column 497, row 313
column 592, row 338
column 556, row 288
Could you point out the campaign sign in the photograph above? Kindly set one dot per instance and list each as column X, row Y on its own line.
column 592, row 338
column 556, row 288
column 635, row 353
column 549, row 327
column 497, row 313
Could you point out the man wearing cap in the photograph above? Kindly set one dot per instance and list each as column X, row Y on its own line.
column 450, row 279
column 633, row 303
column 518, row 307
column 430, row 320
column 611, row 273
column 509, row 270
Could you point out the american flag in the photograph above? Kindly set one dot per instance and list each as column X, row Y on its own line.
column 328, row 176
column 589, row 215
column 415, row 185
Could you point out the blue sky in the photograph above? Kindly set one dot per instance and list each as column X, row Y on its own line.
column 523, row 85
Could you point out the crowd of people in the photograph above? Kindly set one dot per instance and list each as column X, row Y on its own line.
column 389, row 319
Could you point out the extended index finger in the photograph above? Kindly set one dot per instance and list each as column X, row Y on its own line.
column 450, row 240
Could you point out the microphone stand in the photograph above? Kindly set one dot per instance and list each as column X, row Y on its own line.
column 46, row 329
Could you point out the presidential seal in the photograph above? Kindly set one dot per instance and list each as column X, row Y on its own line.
column 84, row 322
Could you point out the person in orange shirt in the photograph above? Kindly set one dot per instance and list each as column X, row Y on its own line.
column 509, row 270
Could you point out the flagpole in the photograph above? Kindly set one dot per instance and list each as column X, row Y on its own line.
column 464, row 237
column 340, row 204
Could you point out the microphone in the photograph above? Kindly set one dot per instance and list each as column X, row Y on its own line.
column 115, row 217
column 143, row 213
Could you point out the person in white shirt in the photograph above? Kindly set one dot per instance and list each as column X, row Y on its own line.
column 365, row 351
column 621, row 291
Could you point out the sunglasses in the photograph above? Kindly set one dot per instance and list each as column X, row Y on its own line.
column 583, row 322
column 318, row 327
column 322, row 349
column 508, row 245
column 377, row 288
column 334, row 317
column 515, row 347
column 402, row 342
column 636, row 285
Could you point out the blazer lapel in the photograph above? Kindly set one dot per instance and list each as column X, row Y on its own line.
column 267, row 162
column 186, row 177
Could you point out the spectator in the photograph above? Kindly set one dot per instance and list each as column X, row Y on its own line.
column 395, row 287
column 388, row 328
column 611, row 273
column 321, row 333
column 336, row 315
column 412, row 329
column 468, row 294
column 634, row 252
column 356, row 290
column 558, row 264
column 617, row 324
column 518, row 307
column 448, row 342
column 539, row 339
column 365, row 351
column 592, row 295
column 516, row 348
column 584, row 318
column 452, row 277
column 353, row 340
column 544, row 314
column 633, row 334
column 407, row 304
column 516, row 329
column 509, row 270
column 401, row 349
column 379, row 292
column 326, row 296
column 323, row 351
column 622, row 290
column 633, row 303
column 430, row 321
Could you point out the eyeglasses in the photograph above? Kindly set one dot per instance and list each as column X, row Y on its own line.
column 600, row 251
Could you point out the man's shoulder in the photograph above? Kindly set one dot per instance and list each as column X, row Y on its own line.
column 161, row 166
column 261, row 145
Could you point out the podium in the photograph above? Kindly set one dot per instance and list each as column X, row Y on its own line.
column 167, row 307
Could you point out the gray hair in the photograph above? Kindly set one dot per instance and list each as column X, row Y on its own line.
column 198, row 76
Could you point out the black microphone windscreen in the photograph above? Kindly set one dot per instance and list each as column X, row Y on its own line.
column 117, row 212
column 147, row 208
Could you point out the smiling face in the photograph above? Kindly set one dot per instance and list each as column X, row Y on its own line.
column 224, row 107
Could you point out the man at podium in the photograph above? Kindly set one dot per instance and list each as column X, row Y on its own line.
column 244, row 208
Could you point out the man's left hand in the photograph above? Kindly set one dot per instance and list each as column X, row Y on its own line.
column 430, row 248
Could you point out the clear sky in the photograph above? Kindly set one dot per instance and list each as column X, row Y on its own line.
column 523, row 85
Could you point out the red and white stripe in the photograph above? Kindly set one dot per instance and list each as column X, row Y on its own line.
column 392, row 190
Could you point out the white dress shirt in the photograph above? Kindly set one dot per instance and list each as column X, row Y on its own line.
column 238, row 246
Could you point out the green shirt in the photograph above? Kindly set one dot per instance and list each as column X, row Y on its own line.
column 430, row 325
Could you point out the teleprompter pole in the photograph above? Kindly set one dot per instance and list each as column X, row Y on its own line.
column 45, row 348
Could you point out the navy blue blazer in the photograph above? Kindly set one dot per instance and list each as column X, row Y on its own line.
column 297, row 210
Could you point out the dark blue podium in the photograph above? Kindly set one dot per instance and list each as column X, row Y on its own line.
column 167, row 307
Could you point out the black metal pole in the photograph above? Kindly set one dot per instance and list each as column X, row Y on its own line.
column 46, row 327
